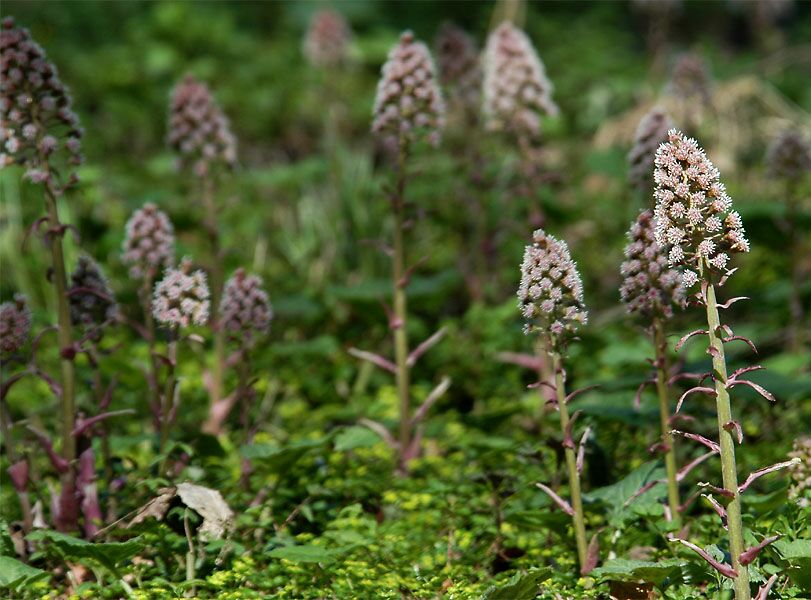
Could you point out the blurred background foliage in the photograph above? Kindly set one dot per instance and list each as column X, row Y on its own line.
column 307, row 204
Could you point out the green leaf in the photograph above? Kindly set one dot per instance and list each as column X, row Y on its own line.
column 615, row 496
column 305, row 554
column 521, row 586
column 14, row 573
column 109, row 554
column 278, row 459
column 355, row 437
column 620, row 569
column 797, row 554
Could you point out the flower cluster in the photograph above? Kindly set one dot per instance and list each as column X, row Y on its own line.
column 245, row 309
column 38, row 128
column 801, row 471
column 92, row 302
column 149, row 243
column 408, row 104
column 327, row 41
column 789, row 157
column 198, row 129
column 650, row 133
column 550, row 295
column 459, row 68
column 649, row 287
column 182, row 298
column 690, row 80
column 516, row 89
column 693, row 216
column 15, row 324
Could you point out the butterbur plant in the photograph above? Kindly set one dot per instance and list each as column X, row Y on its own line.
column 650, row 133
column 691, row 86
column 245, row 315
column 180, row 300
column 695, row 223
column 200, row 134
column 652, row 291
column 550, row 297
column 408, row 109
column 326, row 44
column 789, row 162
column 41, row 133
column 459, row 69
column 516, row 90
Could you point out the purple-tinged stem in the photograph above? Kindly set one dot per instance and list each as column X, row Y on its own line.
column 660, row 344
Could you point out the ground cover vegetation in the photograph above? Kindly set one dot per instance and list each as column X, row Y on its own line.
column 405, row 300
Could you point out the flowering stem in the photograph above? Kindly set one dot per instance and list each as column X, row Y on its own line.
column 726, row 441
column 146, row 300
column 65, row 346
column 5, row 430
column 796, row 330
column 168, row 399
column 216, row 288
column 571, row 464
column 400, row 338
column 98, row 390
column 660, row 343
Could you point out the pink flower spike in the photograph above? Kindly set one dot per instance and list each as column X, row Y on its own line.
column 565, row 506
column 754, row 475
column 723, row 568
column 750, row 554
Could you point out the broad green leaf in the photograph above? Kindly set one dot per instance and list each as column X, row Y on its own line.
column 305, row 554
column 278, row 459
column 521, row 586
column 109, row 554
column 13, row 573
column 797, row 554
column 355, row 437
column 617, row 495
column 620, row 569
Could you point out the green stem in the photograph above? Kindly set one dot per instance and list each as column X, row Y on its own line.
column 168, row 400
column 571, row 464
column 65, row 336
column 212, row 227
column 400, row 337
column 727, row 442
column 660, row 343
column 146, row 301
column 797, row 326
